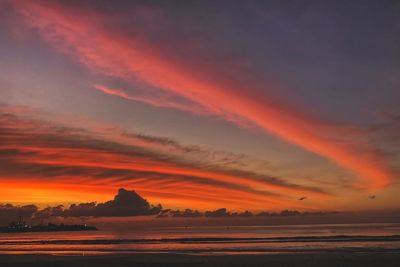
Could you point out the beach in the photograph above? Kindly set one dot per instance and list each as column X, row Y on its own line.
column 175, row 260
column 291, row 245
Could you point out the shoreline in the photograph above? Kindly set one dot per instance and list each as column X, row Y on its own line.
column 200, row 240
column 370, row 259
column 211, row 252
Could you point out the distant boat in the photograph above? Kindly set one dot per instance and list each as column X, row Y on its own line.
column 22, row 227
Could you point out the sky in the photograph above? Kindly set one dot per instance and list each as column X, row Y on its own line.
column 246, row 105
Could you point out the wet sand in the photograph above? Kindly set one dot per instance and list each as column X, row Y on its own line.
column 176, row 260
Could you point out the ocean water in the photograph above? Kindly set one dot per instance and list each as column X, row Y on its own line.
column 211, row 240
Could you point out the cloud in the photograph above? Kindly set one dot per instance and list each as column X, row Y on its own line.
column 210, row 159
column 11, row 212
column 94, row 37
column 151, row 100
column 38, row 151
column 164, row 141
column 187, row 213
column 50, row 212
column 125, row 203
column 217, row 213
column 223, row 213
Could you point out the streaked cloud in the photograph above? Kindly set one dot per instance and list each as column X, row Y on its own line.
column 38, row 151
column 88, row 35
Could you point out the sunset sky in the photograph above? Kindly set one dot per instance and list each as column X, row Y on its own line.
column 247, row 105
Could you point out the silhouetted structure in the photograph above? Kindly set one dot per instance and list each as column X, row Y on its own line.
column 22, row 227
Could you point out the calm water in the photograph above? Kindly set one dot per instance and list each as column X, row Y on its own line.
column 257, row 239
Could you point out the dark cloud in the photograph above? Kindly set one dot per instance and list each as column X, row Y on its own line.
column 209, row 159
column 129, row 203
column 165, row 141
column 125, row 203
column 185, row 213
column 217, row 213
column 289, row 213
column 9, row 211
column 49, row 212
column 223, row 213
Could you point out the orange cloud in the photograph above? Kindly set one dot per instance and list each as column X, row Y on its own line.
column 84, row 35
column 47, row 160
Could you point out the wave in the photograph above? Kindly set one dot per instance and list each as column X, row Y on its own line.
column 205, row 240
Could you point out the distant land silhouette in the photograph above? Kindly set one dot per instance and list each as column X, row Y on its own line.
column 22, row 227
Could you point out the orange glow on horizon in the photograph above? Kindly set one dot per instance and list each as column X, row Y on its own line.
column 174, row 189
column 58, row 160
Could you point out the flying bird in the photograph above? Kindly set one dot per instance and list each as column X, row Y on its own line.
column 302, row 198
column 372, row 197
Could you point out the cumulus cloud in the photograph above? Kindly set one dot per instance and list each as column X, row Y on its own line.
column 125, row 203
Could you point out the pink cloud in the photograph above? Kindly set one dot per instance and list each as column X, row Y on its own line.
column 130, row 57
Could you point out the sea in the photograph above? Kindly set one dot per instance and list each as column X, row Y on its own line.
column 210, row 240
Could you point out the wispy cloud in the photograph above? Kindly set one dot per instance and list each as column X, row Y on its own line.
column 154, row 101
column 87, row 35
column 37, row 150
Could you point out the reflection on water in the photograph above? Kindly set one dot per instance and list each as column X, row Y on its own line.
column 257, row 239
